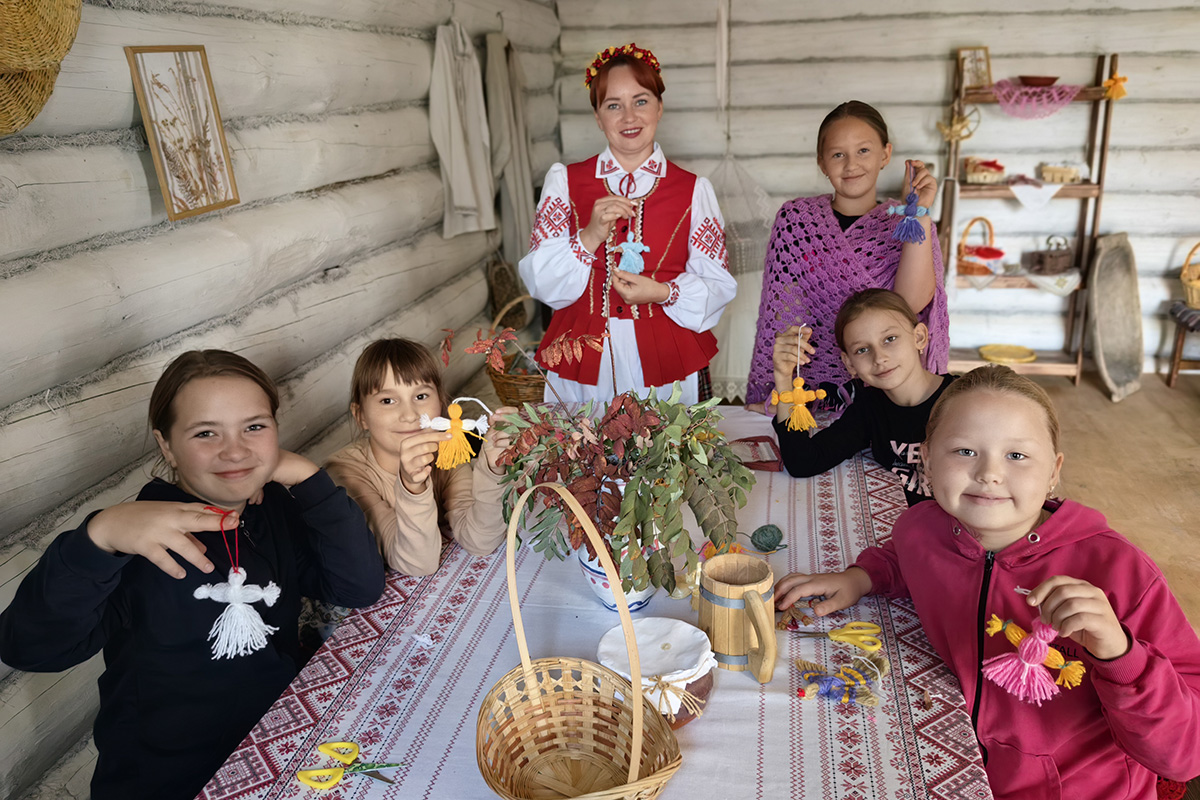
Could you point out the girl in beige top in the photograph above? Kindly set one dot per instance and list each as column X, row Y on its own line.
column 408, row 503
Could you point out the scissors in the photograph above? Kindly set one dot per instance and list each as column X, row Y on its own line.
column 859, row 634
column 347, row 753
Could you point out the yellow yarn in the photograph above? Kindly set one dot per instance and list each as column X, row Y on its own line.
column 1116, row 87
column 801, row 419
column 458, row 450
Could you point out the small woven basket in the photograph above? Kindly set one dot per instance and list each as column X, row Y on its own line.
column 974, row 259
column 1190, row 276
column 513, row 390
column 565, row 727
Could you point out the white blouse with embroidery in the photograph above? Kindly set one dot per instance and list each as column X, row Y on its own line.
column 557, row 269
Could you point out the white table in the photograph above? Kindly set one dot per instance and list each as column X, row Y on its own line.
column 404, row 697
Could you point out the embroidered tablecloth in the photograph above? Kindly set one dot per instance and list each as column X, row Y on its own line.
column 405, row 677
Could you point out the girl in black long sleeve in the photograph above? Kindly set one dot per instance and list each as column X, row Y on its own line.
column 881, row 343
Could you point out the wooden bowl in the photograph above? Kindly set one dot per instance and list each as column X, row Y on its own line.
column 1037, row 80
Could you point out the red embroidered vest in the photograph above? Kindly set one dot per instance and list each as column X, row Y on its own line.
column 668, row 351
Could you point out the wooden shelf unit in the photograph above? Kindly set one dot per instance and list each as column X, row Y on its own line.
column 1085, row 190
column 1049, row 362
column 1068, row 361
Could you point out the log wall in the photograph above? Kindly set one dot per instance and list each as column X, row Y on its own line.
column 337, row 241
column 792, row 62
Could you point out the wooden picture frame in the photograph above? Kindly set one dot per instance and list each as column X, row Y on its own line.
column 976, row 67
column 183, row 127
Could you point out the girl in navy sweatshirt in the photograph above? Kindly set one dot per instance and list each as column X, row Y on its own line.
column 193, row 590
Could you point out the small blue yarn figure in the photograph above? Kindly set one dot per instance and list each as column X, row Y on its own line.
column 631, row 255
column 909, row 230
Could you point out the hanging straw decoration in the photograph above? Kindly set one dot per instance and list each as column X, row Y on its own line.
column 239, row 630
column 457, row 450
column 910, row 230
column 1024, row 674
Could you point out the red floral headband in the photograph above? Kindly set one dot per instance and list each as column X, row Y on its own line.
column 609, row 53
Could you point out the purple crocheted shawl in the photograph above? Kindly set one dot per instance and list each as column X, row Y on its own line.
column 812, row 267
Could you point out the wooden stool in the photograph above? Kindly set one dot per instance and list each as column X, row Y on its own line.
column 1186, row 320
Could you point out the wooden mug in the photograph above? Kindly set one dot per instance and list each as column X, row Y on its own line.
column 736, row 598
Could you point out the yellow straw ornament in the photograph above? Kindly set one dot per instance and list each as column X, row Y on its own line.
column 457, row 450
column 801, row 419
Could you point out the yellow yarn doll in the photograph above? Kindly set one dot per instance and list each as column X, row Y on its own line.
column 801, row 419
column 458, row 450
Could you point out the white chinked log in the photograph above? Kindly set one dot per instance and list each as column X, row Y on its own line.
column 48, row 452
column 41, row 716
column 908, row 37
column 401, row 14
column 71, row 194
column 916, row 36
column 672, row 45
column 538, row 68
column 589, row 14
column 541, row 115
column 525, row 23
column 542, row 155
column 90, row 308
column 258, row 69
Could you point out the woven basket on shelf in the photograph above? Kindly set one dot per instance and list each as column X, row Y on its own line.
column 1190, row 276
column 566, row 727
column 37, row 36
column 975, row 259
column 513, row 390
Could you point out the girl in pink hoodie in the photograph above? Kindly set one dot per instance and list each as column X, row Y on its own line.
column 996, row 543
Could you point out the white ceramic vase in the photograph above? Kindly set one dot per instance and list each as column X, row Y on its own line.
column 594, row 574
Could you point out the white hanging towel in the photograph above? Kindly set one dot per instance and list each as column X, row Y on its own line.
column 510, row 145
column 459, row 127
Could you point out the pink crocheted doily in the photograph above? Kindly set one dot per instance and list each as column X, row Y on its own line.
column 1033, row 102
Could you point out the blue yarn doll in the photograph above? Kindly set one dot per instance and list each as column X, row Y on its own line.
column 631, row 255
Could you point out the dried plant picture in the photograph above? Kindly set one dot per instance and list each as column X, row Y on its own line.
column 976, row 67
column 183, row 128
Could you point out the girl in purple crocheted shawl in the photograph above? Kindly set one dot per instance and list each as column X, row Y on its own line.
column 824, row 249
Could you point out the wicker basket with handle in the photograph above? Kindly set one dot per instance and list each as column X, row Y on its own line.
column 1190, row 276
column 566, row 727
column 976, row 259
column 513, row 390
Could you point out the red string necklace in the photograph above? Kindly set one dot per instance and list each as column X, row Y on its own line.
column 235, row 555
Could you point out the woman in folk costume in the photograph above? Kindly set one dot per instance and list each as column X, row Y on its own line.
column 824, row 249
column 629, row 198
